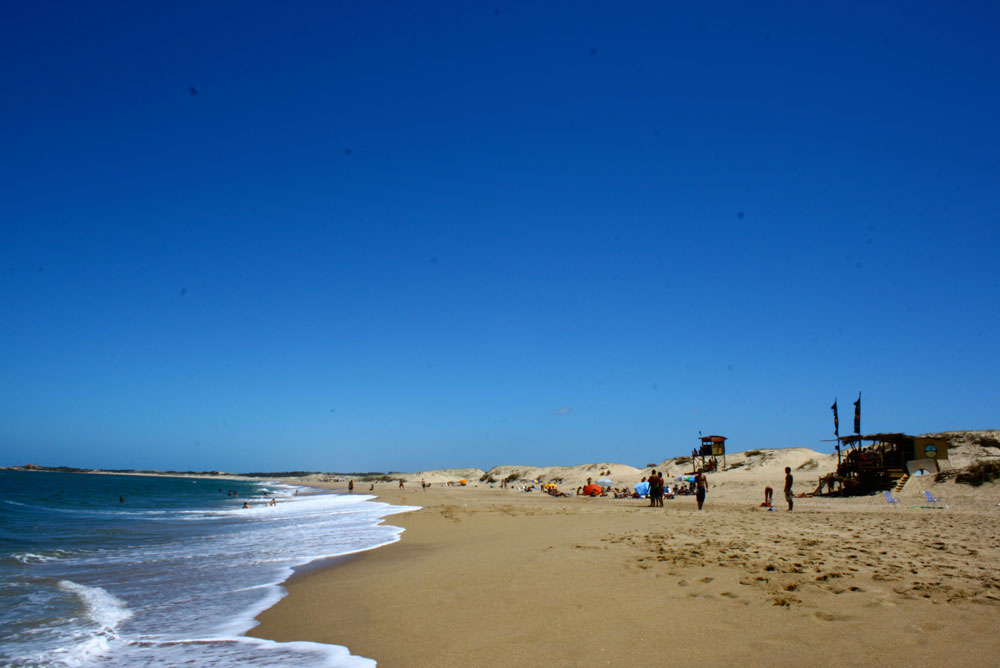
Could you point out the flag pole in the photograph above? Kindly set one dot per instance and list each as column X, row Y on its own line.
column 857, row 415
column 836, row 431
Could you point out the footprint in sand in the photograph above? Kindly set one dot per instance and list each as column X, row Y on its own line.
column 784, row 601
column 830, row 617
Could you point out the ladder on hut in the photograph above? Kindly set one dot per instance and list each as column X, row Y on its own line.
column 901, row 483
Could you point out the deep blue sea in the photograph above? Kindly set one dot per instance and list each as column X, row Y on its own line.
column 133, row 571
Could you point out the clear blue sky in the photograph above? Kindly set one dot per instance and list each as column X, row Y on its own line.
column 394, row 236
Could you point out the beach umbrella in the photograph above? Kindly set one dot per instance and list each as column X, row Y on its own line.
column 593, row 490
column 606, row 482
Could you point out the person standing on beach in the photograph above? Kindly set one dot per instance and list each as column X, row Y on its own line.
column 350, row 486
column 701, row 486
column 788, row 486
column 654, row 487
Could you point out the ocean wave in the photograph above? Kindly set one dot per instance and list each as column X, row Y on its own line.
column 90, row 638
column 103, row 608
column 32, row 558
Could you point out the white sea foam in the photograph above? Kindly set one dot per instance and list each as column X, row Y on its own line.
column 186, row 593
column 32, row 558
column 103, row 608
column 90, row 637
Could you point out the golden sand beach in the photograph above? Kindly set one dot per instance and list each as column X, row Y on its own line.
column 498, row 577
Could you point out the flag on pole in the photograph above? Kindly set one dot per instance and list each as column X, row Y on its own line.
column 836, row 420
column 857, row 415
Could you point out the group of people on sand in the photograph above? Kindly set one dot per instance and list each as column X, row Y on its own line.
column 658, row 489
column 655, row 486
column 616, row 492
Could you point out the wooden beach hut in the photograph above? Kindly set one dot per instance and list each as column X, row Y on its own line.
column 872, row 462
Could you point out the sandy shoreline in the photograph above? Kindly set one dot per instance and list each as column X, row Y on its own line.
column 502, row 578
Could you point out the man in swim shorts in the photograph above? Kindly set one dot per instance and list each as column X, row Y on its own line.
column 788, row 486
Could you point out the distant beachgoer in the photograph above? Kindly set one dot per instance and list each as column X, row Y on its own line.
column 350, row 486
column 401, row 483
column 273, row 502
column 701, row 485
column 246, row 505
column 371, row 487
column 768, row 496
column 121, row 499
column 423, row 485
column 788, row 486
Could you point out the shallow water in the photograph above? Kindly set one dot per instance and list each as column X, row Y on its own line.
column 175, row 573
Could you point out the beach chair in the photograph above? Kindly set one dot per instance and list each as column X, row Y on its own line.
column 893, row 501
column 933, row 500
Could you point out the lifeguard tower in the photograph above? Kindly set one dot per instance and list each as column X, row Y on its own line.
column 712, row 447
